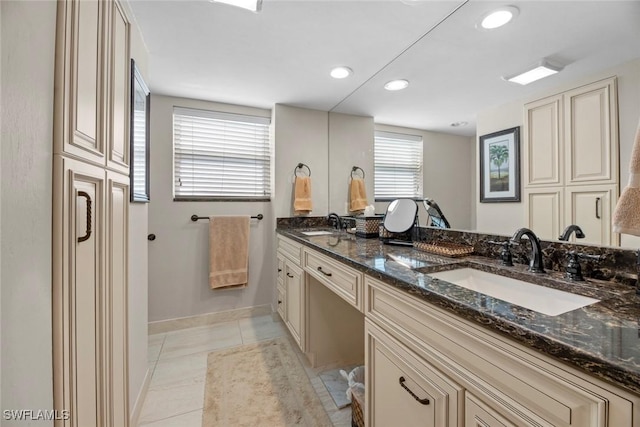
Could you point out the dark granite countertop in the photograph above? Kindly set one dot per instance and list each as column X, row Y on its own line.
column 602, row 339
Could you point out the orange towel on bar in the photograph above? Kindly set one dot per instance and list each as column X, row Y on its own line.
column 626, row 217
column 302, row 195
column 357, row 195
column 228, row 251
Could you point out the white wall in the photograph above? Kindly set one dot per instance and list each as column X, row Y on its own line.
column 301, row 136
column 504, row 218
column 28, row 37
column 350, row 144
column 138, row 265
column 178, row 258
column 447, row 174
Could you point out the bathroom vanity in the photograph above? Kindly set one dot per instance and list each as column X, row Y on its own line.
column 443, row 355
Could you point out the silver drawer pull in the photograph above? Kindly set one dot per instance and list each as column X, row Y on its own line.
column 324, row 272
column 423, row 401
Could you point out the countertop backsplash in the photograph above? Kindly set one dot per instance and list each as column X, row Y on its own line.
column 618, row 265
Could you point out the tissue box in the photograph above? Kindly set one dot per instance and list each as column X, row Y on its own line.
column 368, row 226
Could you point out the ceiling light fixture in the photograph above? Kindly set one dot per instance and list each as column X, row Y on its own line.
column 341, row 72
column 252, row 5
column 458, row 124
column 541, row 70
column 396, row 84
column 497, row 18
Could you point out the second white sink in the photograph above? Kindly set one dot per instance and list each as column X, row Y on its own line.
column 542, row 299
column 317, row 233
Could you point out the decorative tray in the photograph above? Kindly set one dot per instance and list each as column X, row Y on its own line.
column 444, row 248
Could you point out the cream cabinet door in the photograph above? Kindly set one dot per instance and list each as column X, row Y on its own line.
column 591, row 134
column 403, row 389
column 294, row 305
column 119, row 82
column 477, row 414
column 591, row 207
column 80, row 80
column 116, row 298
column 78, row 285
column 543, row 143
column 544, row 211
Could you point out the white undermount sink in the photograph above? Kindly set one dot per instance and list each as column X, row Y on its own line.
column 317, row 233
column 542, row 299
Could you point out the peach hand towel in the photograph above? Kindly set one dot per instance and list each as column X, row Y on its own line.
column 228, row 251
column 626, row 217
column 302, row 195
column 357, row 195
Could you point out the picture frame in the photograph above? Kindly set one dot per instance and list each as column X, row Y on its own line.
column 500, row 166
column 139, row 137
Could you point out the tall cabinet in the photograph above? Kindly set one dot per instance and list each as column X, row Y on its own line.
column 90, row 213
column 571, row 162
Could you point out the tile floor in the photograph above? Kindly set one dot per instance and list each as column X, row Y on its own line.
column 178, row 363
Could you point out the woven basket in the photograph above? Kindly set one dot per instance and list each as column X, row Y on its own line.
column 368, row 226
column 444, row 248
column 357, row 409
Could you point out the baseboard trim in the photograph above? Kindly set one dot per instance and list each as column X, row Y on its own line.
column 137, row 407
column 161, row 326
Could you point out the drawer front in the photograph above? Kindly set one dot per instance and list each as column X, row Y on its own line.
column 282, row 309
column 342, row 280
column 477, row 414
column 280, row 269
column 403, row 389
column 290, row 249
column 525, row 387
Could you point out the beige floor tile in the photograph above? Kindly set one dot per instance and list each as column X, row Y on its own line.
column 190, row 419
column 162, row 403
column 181, row 370
column 153, row 352
column 261, row 328
column 156, row 339
column 201, row 339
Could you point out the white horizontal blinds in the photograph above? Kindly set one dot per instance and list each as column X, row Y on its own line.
column 221, row 155
column 139, row 150
column 398, row 165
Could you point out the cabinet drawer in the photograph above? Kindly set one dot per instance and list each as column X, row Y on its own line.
column 280, row 269
column 403, row 389
column 527, row 387
column 290, row 249
column 342, row 280
column 282, row 309
column 477, row 414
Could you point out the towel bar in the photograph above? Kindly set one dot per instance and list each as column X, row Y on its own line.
column 196, row 217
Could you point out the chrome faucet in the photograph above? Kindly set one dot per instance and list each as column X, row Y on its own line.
column 535, row 265
column 570, row 229
column 335, row 220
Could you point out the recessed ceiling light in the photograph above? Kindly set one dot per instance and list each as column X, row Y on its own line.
column 396, row 84
column 252, row 5
column 539, row 71
column 497, row 18
column 341, row 72
column 458, row 124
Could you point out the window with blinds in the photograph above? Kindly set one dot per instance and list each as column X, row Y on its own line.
column 220, row 155
column 398, row 166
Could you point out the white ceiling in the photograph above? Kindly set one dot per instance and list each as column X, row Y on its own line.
column 212, row 51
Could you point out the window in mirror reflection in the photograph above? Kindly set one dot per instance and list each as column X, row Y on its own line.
column 398, row 166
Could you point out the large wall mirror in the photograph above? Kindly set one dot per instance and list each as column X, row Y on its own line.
column 553, row 29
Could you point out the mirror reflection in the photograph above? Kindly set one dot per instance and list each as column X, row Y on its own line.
column 450, row 163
